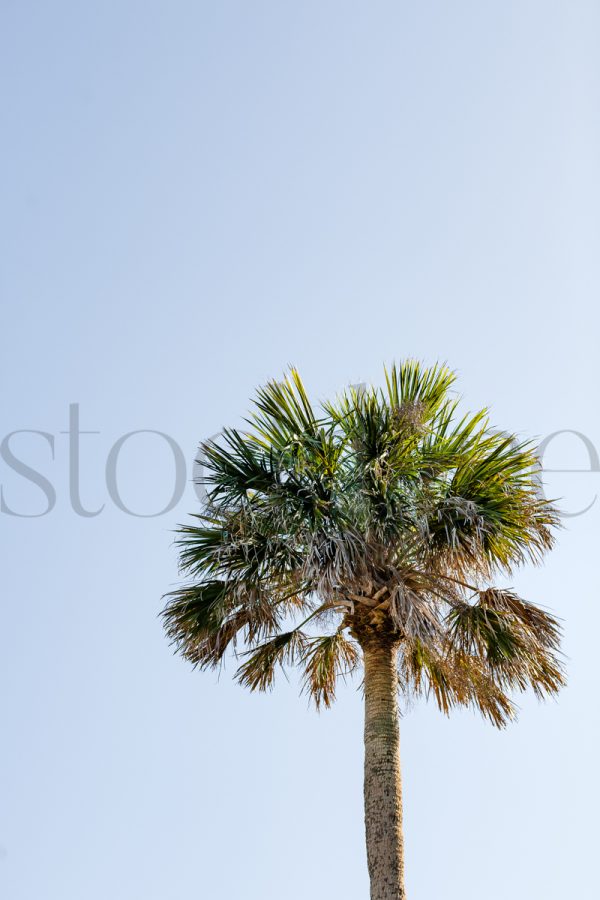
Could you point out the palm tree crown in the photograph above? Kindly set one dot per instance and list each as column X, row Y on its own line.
column 378, row 520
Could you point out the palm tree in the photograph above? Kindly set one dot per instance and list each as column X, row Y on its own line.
column 369, row 533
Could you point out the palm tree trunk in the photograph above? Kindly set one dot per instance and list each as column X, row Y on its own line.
column 383, row 784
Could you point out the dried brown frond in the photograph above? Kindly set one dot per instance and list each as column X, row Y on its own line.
column 326, row 659
column 454, row 679
column 258, row 671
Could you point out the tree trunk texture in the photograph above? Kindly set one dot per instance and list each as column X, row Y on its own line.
column 383, row 783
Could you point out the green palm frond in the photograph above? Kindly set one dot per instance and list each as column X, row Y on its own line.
column 517, row 641
column 205, row 619
column 195, row 609
column 488, row 515
column 531, row 618
column 285, row 418
column 193, row 615
column 415, row 384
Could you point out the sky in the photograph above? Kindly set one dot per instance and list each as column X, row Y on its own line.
column 194, row 197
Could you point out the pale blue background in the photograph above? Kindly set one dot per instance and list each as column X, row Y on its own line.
column 195, row 195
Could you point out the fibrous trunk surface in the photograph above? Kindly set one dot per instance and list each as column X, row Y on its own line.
column 383, row 784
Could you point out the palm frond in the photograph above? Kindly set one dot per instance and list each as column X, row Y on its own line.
column 258, row 672
column 285, row 416
column 325, row 660
column 517, row 641
column 454, row 679
column 413, row 383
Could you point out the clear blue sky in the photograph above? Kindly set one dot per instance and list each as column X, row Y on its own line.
column 195, row 195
